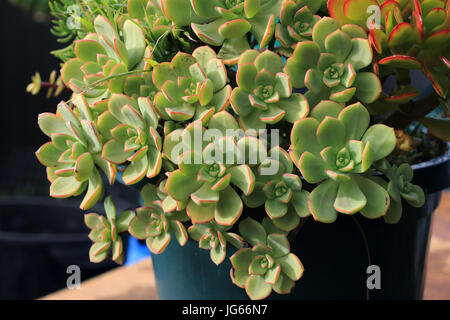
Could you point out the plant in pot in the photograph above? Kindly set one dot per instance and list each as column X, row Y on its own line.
column 262, row 131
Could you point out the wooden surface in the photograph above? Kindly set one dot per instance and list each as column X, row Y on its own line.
column 137, row 282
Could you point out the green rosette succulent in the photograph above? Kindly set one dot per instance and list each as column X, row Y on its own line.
column 330, row 65
column 105, row 232
column 281, row 193
column 209, row 170
column 297, row 21
column 157, row 228
column 156, row 222
column 191, row 86
column 172, row 209
column 73, row 156
column 227, row 22
column 267, row 266
column 335, row 147
column 104, row 61
column 214, row 237
column 134, row 140
column 400, row 187
column 264, row 95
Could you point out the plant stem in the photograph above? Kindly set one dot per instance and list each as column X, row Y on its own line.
column 294, row 232
column 412, row 111
column 366, row 244
column 52, row 85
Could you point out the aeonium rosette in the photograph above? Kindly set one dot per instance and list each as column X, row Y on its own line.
column 297, row 21
column 191, row 86
column 268, row 265
column 335, row 147
column 73, row 157
column 105, row 232
column 155, row 223
column 215, row 238
column 134, row 139
column 104, row 60
column 211, row 164
column 331, row 65
column 264, row 93
column 227, row 22
column 399, row 186
column 281, row 192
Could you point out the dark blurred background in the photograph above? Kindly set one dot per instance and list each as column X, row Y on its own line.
column 25, row 50
column 39, row 236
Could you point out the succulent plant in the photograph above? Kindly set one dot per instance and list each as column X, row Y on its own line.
column 281, row 193
column 105, row 232
column 400, row 187
column 73, row 157
column 151, row 101
column 134, row 137
column 152, row 225
column 334, row 148
column 264, row 95
column 226, row 22
column 330, row 65
column 149, row 12
column 74, row 19
column 421, row 43
column 267, row 265
column 164, row 38
column 191, row 86
column 172, row 209
column 214, row 237
column 54, row 85
column 205, row 179
column 412, row 35
column 104, row 60
column 297, row 21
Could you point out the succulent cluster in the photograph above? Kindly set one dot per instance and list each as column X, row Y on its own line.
column 73, row 157
column 405, row 35
column 226, row 23
column 208, row 132
column 104, row 59
column 105, row 232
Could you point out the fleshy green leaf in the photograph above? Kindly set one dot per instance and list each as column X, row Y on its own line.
column 257, row 288
column 252, row 231
column 322, row 200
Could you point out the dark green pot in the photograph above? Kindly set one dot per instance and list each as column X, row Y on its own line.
column 334, row 255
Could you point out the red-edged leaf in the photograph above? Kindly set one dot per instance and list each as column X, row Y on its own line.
column 401, row 61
